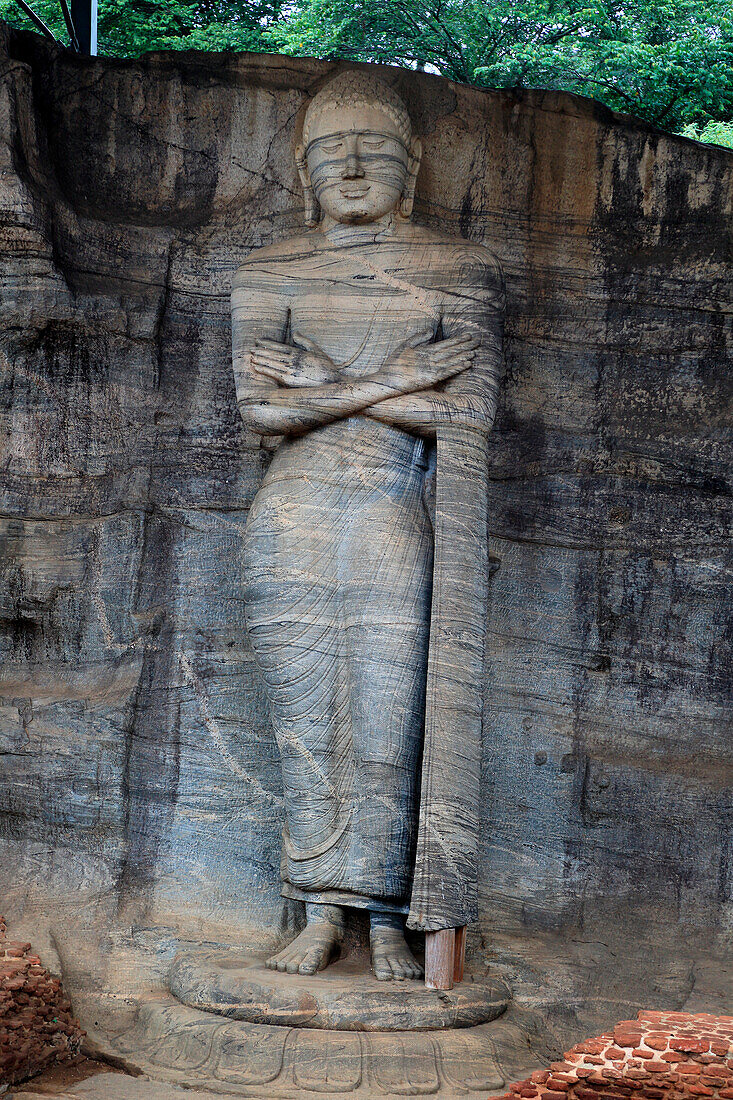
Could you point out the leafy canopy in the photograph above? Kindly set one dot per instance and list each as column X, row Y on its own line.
column 668, row 61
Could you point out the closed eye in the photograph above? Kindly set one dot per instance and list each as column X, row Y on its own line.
column 333, row 147
column 375, row 143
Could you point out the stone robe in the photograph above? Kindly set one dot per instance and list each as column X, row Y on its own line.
column 339, row 549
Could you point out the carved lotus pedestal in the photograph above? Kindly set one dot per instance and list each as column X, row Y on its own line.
column 232, row 1026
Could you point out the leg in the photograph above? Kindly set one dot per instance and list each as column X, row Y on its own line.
column 391, row 957
column 316, row 945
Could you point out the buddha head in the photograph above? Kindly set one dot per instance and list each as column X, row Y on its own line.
column 358, row 160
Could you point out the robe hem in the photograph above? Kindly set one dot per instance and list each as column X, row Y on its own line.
column 342, row 897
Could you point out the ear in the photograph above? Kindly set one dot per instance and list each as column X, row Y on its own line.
column 311, row 203
column 414, row 157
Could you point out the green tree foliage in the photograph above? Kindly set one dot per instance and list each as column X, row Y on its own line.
column 668, row 61
column 715, row 133
column 128, row 28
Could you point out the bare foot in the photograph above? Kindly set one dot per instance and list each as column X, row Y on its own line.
column 392, row 959
column 309, row 952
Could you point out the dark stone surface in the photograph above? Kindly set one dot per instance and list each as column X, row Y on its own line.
column 141, row 783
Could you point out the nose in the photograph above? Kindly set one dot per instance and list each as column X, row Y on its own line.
column 353, row 169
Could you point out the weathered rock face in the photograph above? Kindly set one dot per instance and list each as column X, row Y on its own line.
column 141, row 779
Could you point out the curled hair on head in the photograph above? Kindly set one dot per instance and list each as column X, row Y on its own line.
column 358, row 89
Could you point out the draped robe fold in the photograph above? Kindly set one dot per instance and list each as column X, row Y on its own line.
column 366, row 623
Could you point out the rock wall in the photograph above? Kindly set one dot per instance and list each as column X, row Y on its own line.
column 141, row 780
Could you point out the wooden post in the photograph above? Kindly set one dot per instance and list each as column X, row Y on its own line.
column 440, row 950
column 459, row 955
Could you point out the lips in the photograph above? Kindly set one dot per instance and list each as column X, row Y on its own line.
column 354, row 192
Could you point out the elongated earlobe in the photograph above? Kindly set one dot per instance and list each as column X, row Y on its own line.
column 413, row 167
column 312, row 213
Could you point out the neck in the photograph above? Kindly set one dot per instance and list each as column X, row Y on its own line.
column 343, row 233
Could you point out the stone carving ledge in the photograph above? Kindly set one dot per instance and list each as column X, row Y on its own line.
column 343, row 998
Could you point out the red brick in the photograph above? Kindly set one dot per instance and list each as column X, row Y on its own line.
column 591, row 1046
column 615, row 1052
column 657, row 1067
column 626, row 1037
column 656, row 1042
column 557, row 1085
column 688, row 1046
column 689, row 1067
column 548, row 1094
column 727, row 1094
column 699, row 1090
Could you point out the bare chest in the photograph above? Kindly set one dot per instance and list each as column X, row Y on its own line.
column 360, row 318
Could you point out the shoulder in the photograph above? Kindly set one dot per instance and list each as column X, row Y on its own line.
column 273, row 263
column 462, row 261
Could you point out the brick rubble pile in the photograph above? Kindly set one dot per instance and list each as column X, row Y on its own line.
column 37, row 1029
column 660, row 1056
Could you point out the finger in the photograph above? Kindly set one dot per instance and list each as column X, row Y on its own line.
column 275, row 375
column 308, row 344
column 455, row 343
column 274, row 345
column 423, row 337
column 280, row 369
column 452, row 370
column 272, row 356
column 449, row 360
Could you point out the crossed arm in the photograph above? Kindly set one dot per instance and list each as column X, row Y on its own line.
column 291, row 388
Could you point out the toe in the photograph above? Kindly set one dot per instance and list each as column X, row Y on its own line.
column 312, row 961
column 382, row 970
column 397, row 972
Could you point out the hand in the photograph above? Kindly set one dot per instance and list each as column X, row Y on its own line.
column 304, row 364
column 418, row 359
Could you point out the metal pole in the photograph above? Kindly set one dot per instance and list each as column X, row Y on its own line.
column 37, row 20
column 70, row 26
column 84, row 17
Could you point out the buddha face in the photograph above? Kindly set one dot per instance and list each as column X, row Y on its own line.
column 357, row 164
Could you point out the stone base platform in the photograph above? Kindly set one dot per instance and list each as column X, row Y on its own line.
column 205, row 1051
column 344, row 997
